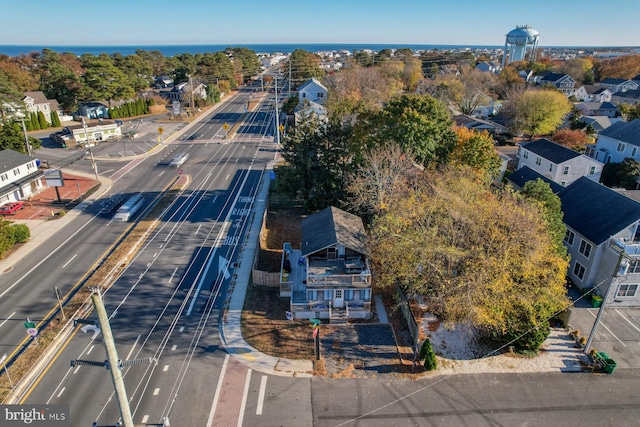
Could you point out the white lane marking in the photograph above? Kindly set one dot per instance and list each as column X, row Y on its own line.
column 263, row 388
column 243, row 405
column 181, row 328
column 104, row 172
column 621, row 315
column 162, row 173
column 198, row 229
column 216, row 396
column 172, row 274
column 132, row 347
column 227, row 178
column 155, row 255
column 156, row 392
column 173, row 347
column 108, row 224
column 61, row 391
column 7, row 319
column 77, row 369
column 67, row 263
column 214, row 200
column 160, row 246
column 605, row 326
column 149, row 264
column 90, row 350
column 166, row 368
column 145, row 419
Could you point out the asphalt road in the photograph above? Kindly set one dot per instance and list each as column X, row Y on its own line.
column 166, row 304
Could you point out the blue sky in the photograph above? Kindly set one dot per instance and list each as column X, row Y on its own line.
column 465, row 22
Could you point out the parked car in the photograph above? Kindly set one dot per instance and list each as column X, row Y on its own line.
column 11, row 208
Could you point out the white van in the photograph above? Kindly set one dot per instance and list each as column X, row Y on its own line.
column 179, row 160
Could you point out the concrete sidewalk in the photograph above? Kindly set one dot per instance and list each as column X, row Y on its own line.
column 230, row 327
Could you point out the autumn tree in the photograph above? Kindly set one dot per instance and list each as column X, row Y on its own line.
column 540, row 192
column 629, row 112
column 538, row 112
column 419, row 124
column 483, row 256
column 622, row 67
column 574, row 139
column 477, row 150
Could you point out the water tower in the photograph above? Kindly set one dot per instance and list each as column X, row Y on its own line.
column 517, row 42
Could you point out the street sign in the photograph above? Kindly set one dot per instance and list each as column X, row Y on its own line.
column 315, row 332
column 281, row 128
column 160, row 130
column 29, row 325
column 33, row 332
column 315, row 322
column 225, row 126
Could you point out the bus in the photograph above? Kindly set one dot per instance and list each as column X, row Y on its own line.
column 129, row 208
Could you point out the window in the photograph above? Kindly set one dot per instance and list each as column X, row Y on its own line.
column 365, row 294
column 320, row 95
column 627, row 290
column 4, row 177
column 304, row 95
column 592, row 170
column 634, row 150
column 538, row 161
column 621, row 147
column 578, row 270
column 585, row 248
column 525, row 154
column 568, row 237
column 550, row 167
column 327, row 294
column 312, row 295
column 16, row 172
column 348, row 294
column 565, row 170
column 30, row 166
column 634, row 267
column 563, row 183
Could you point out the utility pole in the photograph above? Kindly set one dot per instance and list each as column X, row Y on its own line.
column 277, row 115
column 289, row 94
column 26, row 138
column 93, row 161
column 191, row 88
column 605, row 299
column 112, row 358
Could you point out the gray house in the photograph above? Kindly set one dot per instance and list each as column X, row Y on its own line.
column 601, row 224
column 329, row 276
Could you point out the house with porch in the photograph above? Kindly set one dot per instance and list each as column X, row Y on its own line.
column 329, row 276
column 563, row 82
column 20, row 177
column 37, row 102
column 603, row 241
column 594, row 108
column 593, row 93
column 558, row 163
column 618, row 85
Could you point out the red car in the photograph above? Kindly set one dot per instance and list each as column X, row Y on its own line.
column 11, row 208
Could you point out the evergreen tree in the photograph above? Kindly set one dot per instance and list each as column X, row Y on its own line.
column 28, row 125
column 55, row 119
column 35, row 124
column 426, row 353
column 42, row 121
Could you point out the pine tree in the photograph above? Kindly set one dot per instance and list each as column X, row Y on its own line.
column 35, row 123
column 426, row 353
column 42, row 120
column 55, row 119
column 28, row 125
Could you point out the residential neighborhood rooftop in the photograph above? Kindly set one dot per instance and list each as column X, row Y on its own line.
column 595, row 211
column 10, row 159
column 345, row 229
column 628, row 132
column 525, row 174
column 550, row 150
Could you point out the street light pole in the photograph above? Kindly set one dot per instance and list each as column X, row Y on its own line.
column 26, row 138
column 93, row 161
column 277, row 115
column 3, row 361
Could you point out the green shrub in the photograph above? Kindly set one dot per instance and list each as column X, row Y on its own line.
column 426, row 353
column 20, row 233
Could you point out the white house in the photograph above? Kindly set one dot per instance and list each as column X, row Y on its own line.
column 308, row 108
column 96, row 132
column 601, row 224
column 560, row 164
column 37, row 102
column 20, row 177
column 313, row 90
column 489, row 67
column 563, row 82
column 593, row 93
column 617, row 142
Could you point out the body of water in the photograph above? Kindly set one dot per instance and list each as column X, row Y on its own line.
column 172, row 50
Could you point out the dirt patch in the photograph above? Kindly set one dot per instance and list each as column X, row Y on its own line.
column 266, row 328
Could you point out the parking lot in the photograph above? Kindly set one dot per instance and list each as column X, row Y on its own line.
column 618, row 333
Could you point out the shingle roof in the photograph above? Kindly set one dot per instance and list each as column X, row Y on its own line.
column 10, row 159
column 525, row 174
column 332, row 226
column 554, row 77
column 37, row 96
column 595, row 211
column 550, row 150
column 612, row 81
column 595, row 105
column 630, row 94
column 628, row 132
column 309, row 82
column 594, row 89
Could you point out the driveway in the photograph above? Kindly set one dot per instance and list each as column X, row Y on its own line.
column 618, row 333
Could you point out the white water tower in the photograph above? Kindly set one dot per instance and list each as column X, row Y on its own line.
column 517, row 42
